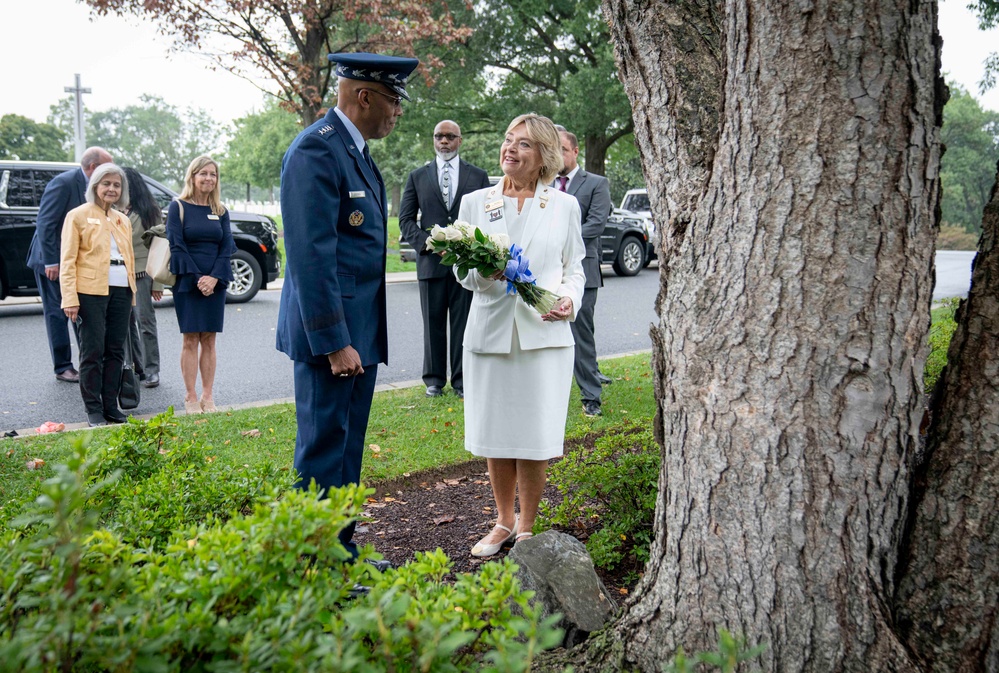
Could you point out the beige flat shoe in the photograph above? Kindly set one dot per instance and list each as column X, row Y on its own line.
column 482, row 549
column 208, row 406
column 192, row 407
column 523, row 536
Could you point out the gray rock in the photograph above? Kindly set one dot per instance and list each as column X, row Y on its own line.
column 558, row 569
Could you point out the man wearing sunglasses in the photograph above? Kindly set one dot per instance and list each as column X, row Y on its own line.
column 332, row 321
column 432, row 196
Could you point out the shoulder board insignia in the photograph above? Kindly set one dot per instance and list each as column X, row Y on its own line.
column 325, row 129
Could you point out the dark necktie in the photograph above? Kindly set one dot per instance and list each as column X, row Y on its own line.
column 562, row 182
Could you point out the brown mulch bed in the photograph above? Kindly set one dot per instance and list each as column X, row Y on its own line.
column 450, row 508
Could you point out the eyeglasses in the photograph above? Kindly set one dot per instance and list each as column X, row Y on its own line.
column 396, row 100
column 448, row 136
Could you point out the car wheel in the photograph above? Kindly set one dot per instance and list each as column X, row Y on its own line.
column 630, row 257
column 246, row 278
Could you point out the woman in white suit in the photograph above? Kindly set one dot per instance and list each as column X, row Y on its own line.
column 517, row 362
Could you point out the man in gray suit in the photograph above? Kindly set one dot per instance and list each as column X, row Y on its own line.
column 434, row 191
column 593, row 193
column 63, row 193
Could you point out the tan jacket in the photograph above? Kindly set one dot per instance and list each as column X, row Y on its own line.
column 85, row 255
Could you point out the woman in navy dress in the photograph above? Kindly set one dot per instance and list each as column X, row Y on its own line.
column 200, row 247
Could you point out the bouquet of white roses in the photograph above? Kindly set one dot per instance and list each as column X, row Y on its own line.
column 466, row 247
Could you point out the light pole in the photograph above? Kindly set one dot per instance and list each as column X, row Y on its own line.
column 78, row 132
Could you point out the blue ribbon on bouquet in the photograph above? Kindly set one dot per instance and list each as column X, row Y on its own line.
column 517, row 269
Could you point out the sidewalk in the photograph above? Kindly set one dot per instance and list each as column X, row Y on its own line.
column 400, row 277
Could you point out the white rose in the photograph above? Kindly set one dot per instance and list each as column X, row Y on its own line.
column 437, row 233
column 501, row 240
column 453, row 234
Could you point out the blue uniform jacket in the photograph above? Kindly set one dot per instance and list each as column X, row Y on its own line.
column 64, row 192
column 334, row 214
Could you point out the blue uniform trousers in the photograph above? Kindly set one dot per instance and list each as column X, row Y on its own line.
column 332, row 414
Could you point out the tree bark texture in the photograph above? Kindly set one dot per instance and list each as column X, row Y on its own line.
column 793, row 314
column 949, row 590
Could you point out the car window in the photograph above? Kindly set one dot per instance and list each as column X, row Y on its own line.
column 162, row 198
column 25, row 187
column 637, row 202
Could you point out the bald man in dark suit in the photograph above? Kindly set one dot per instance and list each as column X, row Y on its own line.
column 443, row 301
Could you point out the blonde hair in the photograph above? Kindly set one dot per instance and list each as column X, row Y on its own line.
column 99, row 174
column 541, row 130
column 215, row 198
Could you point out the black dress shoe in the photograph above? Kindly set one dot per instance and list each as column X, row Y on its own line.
column 151, row 381
column 591, row 408
column 115, row 416
column 434, row 391
column 69, row 376
column 95, row 419
column 604, row 379
column 460, row 392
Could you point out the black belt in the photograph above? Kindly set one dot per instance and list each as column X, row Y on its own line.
column 117, row 262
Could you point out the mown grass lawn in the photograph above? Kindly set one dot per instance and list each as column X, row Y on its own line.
column 407, row 432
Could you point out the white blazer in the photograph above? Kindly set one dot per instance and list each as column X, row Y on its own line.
column 553, row 245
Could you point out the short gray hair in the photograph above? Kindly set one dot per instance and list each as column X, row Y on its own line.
column 99, row 174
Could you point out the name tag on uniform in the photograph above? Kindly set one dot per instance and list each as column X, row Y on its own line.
column 494, row 205
column 93, row 220
column 213, row 217
column 357, row 195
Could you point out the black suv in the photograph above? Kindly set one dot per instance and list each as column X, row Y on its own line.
column 254, row 264
column 626, row 243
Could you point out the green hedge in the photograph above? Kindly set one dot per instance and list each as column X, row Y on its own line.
column 146, row 555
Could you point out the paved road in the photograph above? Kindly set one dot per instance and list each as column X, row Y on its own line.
column 249, row 368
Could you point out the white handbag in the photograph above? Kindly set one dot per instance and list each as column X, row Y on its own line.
column 158, row 262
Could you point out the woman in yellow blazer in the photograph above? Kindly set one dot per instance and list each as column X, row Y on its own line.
column 97, row 277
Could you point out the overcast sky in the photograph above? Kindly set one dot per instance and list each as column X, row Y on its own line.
column 119, row 59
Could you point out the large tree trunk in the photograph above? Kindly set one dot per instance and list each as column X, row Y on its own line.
column 949, row 590
column 795, row 302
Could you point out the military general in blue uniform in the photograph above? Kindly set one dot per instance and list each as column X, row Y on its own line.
column 332, row 320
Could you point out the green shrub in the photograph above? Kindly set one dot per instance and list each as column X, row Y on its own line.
column 942, row 328
column 956, row 238
column 615, row 484
column 255, row 580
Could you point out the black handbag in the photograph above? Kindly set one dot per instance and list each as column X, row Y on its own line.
column 128, row 390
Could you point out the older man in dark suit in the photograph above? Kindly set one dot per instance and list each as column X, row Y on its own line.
column 593, row 193
column 332, row 320
column 64, row 192
column 434, row 191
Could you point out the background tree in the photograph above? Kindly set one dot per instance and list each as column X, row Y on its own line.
column 254, row 153
column 792, row 153
column 988, row 18
column 288, row 41
column 971, row 136
column 152, row 136
column 27, row 140
column 554, row 58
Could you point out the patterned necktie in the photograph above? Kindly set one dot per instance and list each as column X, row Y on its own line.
column 446, row 184
column 562, row 182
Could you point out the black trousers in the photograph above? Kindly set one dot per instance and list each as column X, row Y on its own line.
column 444, row 303
column 103, row 324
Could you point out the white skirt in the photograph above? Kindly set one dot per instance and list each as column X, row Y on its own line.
column 516, row 403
